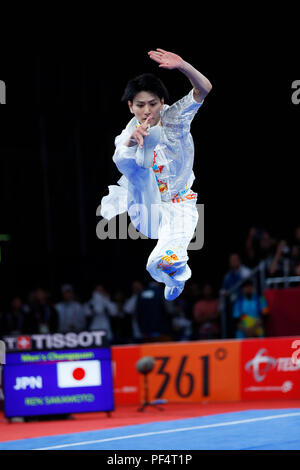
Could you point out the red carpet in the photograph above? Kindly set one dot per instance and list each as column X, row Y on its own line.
column 128, row 415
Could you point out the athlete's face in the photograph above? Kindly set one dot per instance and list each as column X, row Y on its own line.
column 144, row 104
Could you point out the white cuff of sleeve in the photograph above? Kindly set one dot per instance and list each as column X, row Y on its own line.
column 130, row 151
column 144, row 155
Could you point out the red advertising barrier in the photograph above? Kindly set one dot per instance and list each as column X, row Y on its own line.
column 125, row 376
column 250, row 369
column 269, row 368
column 284, row 308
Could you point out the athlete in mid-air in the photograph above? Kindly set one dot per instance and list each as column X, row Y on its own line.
column 155, row 154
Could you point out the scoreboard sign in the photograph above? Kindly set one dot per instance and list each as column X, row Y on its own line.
column 60, row 381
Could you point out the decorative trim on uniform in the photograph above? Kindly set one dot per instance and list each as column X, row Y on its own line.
column 166, row 263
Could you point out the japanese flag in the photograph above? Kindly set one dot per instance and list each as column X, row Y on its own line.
column 78, row 374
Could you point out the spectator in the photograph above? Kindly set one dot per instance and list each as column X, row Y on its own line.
column 191, row 294
column 236, row 273
column 296, row 271
column 121, row 321
column 181, row 325
column 99, row 309
column 294, row 258
column 130, row 308
column 259, row 247
column 249, row 312
column 44, row 317
column 280, row 265
column 152, row 316
column 71, row 315
column 206, row 315
column 17, row 320
column 295, row 250
column 296, row 238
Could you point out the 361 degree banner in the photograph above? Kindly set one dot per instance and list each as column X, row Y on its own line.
column 195, row 371
column 183, row 372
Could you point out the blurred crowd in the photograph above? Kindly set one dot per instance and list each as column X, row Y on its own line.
column 143, row 315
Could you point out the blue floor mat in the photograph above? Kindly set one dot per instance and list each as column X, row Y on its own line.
column 245, row 430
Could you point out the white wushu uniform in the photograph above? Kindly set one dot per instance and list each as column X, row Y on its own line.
column 155, row 189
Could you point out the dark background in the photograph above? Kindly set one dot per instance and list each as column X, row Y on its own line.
column 58, row 127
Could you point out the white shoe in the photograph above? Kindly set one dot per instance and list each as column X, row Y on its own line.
column 172, row 293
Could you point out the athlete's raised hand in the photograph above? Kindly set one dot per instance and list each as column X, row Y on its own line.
column 169, row 60
column 139, row 133
column 165, row 59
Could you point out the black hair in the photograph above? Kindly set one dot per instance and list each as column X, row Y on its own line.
column 145, row 82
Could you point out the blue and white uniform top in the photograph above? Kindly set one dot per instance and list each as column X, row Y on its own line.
column 162, row 171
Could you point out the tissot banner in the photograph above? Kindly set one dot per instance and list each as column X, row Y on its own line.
column 36, row 342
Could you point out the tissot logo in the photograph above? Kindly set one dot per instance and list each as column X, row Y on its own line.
column 2, row 92
column 84, row 339
column 23, row 342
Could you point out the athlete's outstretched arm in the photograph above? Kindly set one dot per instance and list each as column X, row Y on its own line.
column 169, row 60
